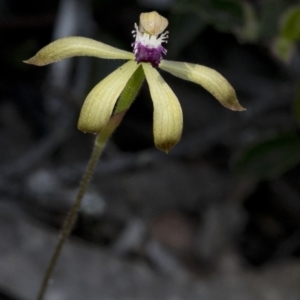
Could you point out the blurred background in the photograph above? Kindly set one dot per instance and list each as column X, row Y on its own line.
column 216, row 218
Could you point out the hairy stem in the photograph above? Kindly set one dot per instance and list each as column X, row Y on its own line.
column 126, row 99
column 99, row 145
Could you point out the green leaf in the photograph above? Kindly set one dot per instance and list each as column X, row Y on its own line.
column 290, row 23
column 130, row 91
column 249, row 30
column 284, row 48
column 270, row 158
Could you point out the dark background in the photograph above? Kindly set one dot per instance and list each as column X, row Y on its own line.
column 216, row 218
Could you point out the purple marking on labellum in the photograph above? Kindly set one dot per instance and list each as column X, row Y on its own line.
column 148, row 48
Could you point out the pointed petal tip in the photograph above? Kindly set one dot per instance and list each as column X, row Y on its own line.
column 237, row 107
column 242, row 109
column 230, row 101
column 165, row 147
column 86, row 128
column 33, row 61
column 27, row 61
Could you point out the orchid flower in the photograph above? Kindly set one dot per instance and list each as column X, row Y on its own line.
column 148, row 52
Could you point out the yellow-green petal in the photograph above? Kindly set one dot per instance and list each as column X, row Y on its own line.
column 208, row 78
column 76, row 46
column 167, row 116
column 99, row 104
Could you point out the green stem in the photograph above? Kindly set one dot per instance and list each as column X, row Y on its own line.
column 126, row 99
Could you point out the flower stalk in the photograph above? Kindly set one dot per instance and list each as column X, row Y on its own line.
column 126, row 99
column 73, row 213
